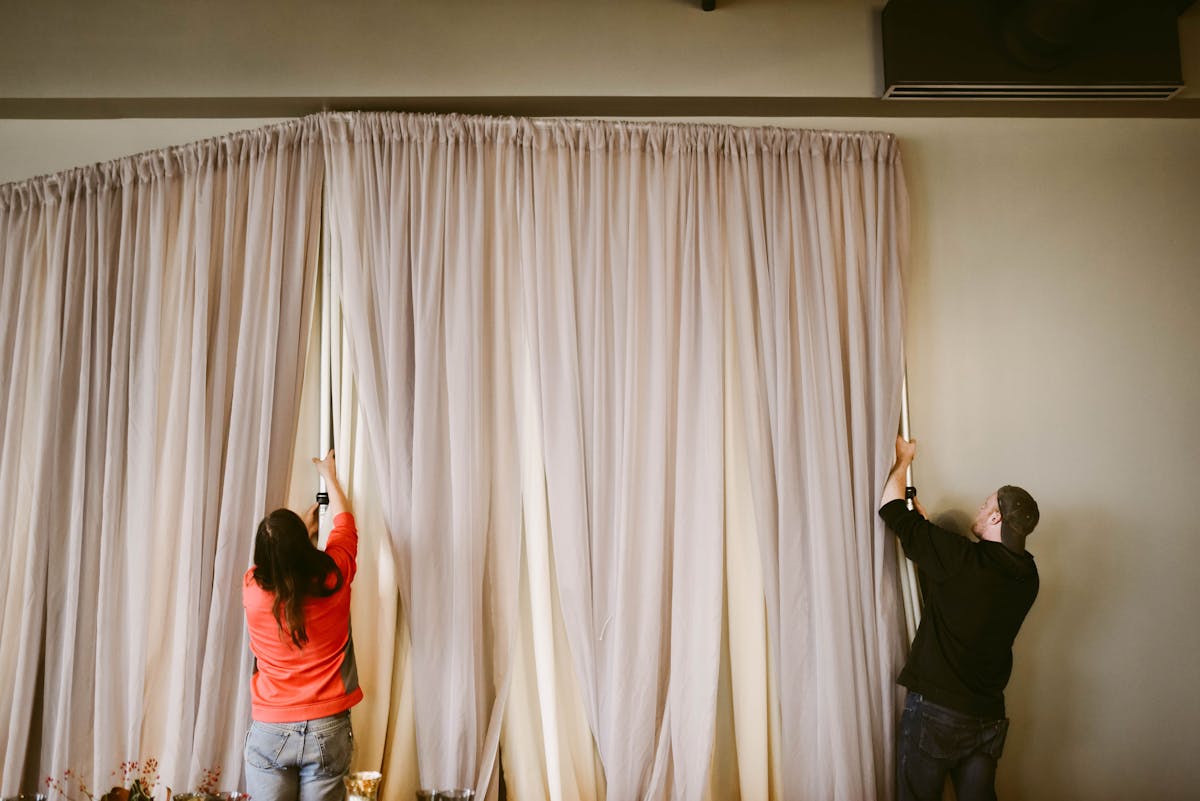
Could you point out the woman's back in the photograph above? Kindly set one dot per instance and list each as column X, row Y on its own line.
column 297, row 601
column 291, row 682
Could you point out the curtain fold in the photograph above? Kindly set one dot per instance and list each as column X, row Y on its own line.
column 154, row 357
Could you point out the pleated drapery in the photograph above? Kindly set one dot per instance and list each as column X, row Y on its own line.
column 420, row 233
column 155, row 312
column 608, row 335
column 614, row 402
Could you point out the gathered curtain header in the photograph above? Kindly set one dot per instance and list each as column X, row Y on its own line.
column 608, row 135
column 537, row 134
column 169, row 162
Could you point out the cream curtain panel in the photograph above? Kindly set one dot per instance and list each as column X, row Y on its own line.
column 817, row 327
column 421, row 247
column 625, row 363
column 384, row 727
column 155, row 313
column 716, row 318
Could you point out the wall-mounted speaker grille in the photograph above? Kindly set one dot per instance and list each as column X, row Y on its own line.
column 939, row 91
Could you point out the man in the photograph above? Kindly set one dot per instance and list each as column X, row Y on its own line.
column 976, row 596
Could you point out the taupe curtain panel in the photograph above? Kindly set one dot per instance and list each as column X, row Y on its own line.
column 155, row 312
column 620, row 398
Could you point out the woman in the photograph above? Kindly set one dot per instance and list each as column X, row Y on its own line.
column 297, row 600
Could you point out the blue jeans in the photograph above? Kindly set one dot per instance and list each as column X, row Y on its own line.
column 302, row 761
column 936, row 742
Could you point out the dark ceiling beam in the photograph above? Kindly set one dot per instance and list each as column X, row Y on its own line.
column 592, row 106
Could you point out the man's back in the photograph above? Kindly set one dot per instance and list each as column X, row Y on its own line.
column 976, row 597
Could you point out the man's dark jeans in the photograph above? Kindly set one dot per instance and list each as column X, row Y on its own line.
column 936, row 742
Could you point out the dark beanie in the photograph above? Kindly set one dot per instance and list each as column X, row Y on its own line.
column 1018, row 516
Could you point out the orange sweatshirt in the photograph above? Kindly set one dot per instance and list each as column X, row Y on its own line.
column 292, row 684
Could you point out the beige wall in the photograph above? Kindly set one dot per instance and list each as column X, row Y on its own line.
column 1054, row 289
column 38, row 147
column 65, row 48
column 413, row 48
column 1054, row 342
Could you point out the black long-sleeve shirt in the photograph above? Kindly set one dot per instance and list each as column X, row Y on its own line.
column 976, row 597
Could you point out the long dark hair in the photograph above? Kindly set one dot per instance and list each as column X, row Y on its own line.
column 287, row 564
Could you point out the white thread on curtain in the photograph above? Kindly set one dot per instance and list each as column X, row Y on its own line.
column 152, row 370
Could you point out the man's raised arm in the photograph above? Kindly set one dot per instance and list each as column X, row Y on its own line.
column 893, row 488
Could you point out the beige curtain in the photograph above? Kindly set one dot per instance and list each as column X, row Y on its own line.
column 614, row 402
column 384, row 726
column 649, row 375
column 418, row 214
column 818, row 228
column 716, row 318
column 153, row 323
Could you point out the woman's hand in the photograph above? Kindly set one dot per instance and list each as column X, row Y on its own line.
column 338, row 502
column 326, row 467
column 311, row 518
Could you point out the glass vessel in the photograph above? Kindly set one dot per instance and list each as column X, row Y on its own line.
column 362, row 785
